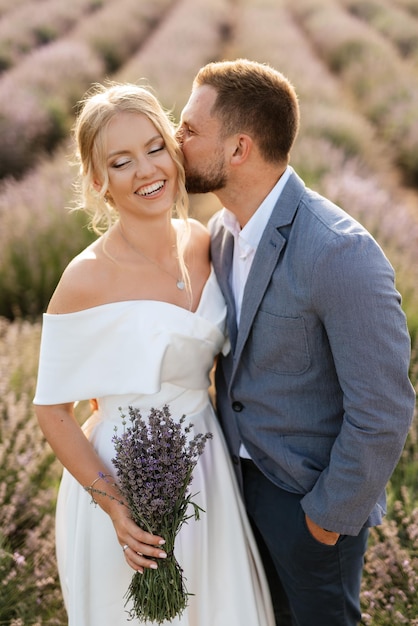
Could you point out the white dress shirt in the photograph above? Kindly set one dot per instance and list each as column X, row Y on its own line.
column 246, row 241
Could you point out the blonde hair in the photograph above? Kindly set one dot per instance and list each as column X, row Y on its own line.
column 97, row 109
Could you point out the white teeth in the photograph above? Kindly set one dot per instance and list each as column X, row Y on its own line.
column 146, row 191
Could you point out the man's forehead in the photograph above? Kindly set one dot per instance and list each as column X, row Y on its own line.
column 198, row 108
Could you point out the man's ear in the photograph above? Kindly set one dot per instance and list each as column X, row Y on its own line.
column 240, row 149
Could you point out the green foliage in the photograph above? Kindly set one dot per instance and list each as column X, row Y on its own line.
column 389, row 596
column 392, row 22
column 409, row 5
column 60, row 123
column 95, row 5
column 370, row 66
column 44, row 34
column 31, row 264
column 5, row 58
column 391, row 569
column 339, row 127
column 348, row 53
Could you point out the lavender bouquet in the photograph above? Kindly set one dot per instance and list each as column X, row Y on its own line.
column 154, row 465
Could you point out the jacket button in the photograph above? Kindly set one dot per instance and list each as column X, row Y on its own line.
column 235, row 459
column 237, row 406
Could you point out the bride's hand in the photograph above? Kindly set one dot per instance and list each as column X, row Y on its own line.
column 140, row 548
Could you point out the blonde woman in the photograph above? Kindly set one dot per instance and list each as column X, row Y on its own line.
column 137, row 319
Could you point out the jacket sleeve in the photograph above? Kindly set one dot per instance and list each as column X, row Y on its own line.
column 354, row 293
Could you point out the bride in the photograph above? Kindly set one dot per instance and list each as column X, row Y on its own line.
column 137, row 319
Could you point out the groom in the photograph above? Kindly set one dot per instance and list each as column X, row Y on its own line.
column 314, row 397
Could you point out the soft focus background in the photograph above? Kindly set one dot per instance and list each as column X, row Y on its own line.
column 354, row 64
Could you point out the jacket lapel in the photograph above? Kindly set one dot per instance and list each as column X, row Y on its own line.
column 265, row 260
column 270, row 248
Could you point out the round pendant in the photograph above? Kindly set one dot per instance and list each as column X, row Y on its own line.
column 180, row 284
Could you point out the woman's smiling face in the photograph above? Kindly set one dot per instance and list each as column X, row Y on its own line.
column 142, row 174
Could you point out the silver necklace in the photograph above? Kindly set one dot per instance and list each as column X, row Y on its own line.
column 179, row 281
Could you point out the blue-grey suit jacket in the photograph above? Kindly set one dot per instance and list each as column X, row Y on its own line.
column 316, row 385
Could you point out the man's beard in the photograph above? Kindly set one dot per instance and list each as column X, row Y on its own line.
column 206, row 182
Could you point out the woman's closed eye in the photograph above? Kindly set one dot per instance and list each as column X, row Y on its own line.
column 157, row 148
column 120, row 163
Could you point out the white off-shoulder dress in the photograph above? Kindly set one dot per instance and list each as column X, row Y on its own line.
column 147, row 354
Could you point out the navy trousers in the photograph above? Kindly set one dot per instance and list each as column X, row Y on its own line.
column 311, row 584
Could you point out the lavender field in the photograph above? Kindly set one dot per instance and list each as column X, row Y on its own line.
column 354, row 64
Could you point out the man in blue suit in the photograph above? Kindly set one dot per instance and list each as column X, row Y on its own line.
column 314, row 397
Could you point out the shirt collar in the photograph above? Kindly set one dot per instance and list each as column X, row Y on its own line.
column 254, row 228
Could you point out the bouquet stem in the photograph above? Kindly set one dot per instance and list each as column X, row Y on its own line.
column 158, row 595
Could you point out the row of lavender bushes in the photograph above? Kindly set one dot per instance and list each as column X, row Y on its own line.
column 372, row 46
column 30, row 26
column 38, row 94
column 29, row 593
column 378, row 73
column 37, row 237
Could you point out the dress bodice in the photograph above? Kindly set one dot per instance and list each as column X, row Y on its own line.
column 130, row 347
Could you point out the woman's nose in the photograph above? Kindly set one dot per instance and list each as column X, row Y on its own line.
column 145, row 168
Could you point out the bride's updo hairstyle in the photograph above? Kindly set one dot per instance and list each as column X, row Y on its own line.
column 97, row 109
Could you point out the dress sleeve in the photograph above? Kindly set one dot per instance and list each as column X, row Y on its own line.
column 86, row 354
column 123, row 348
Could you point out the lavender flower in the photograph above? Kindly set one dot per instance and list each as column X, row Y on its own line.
column 154, row 466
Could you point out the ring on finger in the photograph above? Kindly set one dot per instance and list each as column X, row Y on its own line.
column 125, row 547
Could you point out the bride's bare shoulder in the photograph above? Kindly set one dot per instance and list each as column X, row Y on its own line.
column 199, row 235
column 81, row 283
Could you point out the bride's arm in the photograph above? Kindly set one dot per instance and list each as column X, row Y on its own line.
column 77, row 455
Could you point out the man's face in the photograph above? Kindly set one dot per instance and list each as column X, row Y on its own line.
column 199, row 137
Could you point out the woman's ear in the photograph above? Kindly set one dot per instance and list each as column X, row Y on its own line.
column 97, row 185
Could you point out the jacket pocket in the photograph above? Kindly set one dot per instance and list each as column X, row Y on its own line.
column 280, row 344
